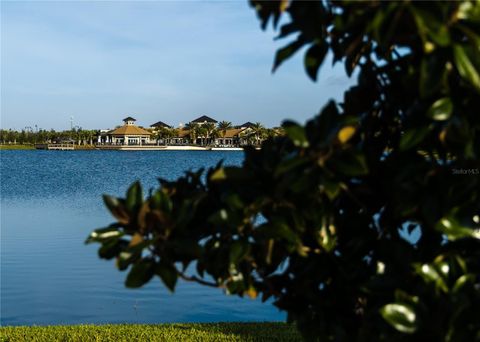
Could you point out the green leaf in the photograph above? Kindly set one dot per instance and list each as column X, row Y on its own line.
column 413, row 137
column 238, row 250
column 472, row 34
column 290, row 164
column 435, row 29
column 327, row 238
column 441, row 109
column 432, row 274
column 235, row 285
column 461, row 282
column 432, row 74
column 286, row 52
column 111, row 248
column 168, row 274
column 403, row 297
column 314, row 58
column 99, row 235
column 401, row 317
column 111, row 202
column 125, row 258
column 140, row 273
column 350, row 163
column 454, row 230
column 234, row 201
column 331, row 188
column 296, row 133
column 465, row 66
column 116, row 207
column 278, row 230
column 287, row 29
column 218, row 175
column 160, row 200
column 229, row 172
column 134, row 197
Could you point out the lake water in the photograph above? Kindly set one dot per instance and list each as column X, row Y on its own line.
column 51, row 201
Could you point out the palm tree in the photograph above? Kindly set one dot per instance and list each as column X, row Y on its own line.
column 190, row 126
column 202, row 133
column 192, row 131
column 160, row 134
column 209, row 128
column 271, row 132
column 164, row 133
column 223, row 126
column 258, row 130
column 215, row 134
column 170, row 133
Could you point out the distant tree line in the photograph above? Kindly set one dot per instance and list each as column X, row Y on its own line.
column 206, row 132
column 78, row 136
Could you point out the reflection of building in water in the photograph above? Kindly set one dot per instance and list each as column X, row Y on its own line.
column 128, row 134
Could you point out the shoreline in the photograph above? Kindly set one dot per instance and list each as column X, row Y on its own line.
column 168, row 148
column 65, row 147
column 165, row 148
column 58, row 147
column 16, row 147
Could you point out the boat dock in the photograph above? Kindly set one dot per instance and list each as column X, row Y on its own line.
column 58, row 147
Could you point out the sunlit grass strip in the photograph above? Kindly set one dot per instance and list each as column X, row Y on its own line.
column 156, row 332
column 17, row 147
column 84, row 147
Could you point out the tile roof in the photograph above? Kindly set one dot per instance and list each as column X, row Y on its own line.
column 230, row 133
column 130, row 130
column 129, row 118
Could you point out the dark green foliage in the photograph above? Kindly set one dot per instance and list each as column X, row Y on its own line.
column 37, row 136
column 321, row 219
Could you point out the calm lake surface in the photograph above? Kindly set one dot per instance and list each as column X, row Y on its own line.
column 51, row 201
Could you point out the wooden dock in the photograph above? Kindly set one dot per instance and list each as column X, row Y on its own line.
column 58, row 147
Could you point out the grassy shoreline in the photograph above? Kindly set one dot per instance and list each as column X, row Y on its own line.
column 17, row 147
column 272, row 331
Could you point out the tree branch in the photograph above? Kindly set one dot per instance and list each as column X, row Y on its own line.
column 198, row 280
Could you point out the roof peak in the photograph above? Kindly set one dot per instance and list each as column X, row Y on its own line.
column 204, row 118
column 160, row 124
column 129, row 118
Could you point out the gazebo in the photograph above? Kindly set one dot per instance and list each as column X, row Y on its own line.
column 128, row 134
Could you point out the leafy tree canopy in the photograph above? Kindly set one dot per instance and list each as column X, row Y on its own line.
column 362, row 224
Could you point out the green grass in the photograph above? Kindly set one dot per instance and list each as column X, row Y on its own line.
column 17, row 147
column 156, row 332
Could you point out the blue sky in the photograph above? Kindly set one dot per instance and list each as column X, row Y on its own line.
column 169, row 61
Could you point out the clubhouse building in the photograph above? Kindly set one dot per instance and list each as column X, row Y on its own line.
column 160, row 133
column 128, row 134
